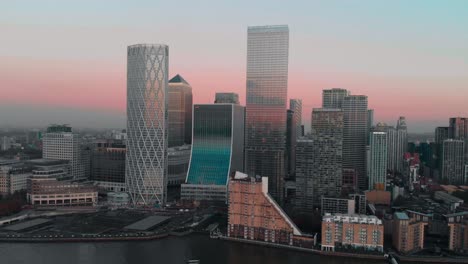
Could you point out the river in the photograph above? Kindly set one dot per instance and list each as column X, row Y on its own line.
column 164, row 251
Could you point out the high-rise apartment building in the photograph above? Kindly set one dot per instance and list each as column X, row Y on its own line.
column 226, row 98
column 319, row 159
column 333, row 98
column 147, row 99
column 441, row 134
column 291, row 138
column 179, row 112
column 217, row 151
column 458, row 129
column 296, row 106
column 59, row 142
column 267, row 83
column 391, row 144
column 377, row 161
column 401, row 142
column 355, row 136
column 453, row 161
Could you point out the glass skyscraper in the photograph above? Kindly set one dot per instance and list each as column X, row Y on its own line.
column 146, row 161
column 355, row 136
column 180, row 112
column 267, row 84
column 217, row 151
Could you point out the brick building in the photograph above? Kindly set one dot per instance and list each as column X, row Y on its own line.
column 408, row 231
column 254, row 214
column 458, row 234
column 352, row 230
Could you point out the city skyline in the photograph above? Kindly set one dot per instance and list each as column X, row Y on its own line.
column 72, row 68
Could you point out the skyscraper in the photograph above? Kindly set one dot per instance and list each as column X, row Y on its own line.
column 296, row 106
column 59, row 142
column 333, row 98
column 441, row 134
column 146, row 160
column 267, row 82
column 226, row 98
column 180, row 112
column 453, row 162
column 391, row 144
column 402, row 142
column 377, row 166
column 458, row 129
column 217, row 151
column 319, row 160
column 355, row 136
column 291, row 138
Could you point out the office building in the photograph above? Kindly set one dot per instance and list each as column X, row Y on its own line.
column 377, row 165
column 352, row 230
column 349, row 181
column 147, row 99
column 453, row 162
column 253, row 214
column 108, row 165
column 217, row 151
column 6, row 143
column 179, row 112
column 13, row 178
column 451, row 201
column 267, row 85
column 59, row 142
column 333, row 98
column 360, row 202
column 178, row 164
column 226, row 98
column 355, row 136
column 458, row 231
column 408, row 232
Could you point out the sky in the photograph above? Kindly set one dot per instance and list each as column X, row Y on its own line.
column 65, row 61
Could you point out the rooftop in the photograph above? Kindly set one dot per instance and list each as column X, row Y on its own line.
column 148, row 223
column 401, row 216
column 27, row 224
column 178, row 79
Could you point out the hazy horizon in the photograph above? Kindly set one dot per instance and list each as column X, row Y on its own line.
column 64, row 57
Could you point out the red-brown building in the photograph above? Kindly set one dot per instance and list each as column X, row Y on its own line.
column 458, row 234
column 254, row 214
column 408, row 231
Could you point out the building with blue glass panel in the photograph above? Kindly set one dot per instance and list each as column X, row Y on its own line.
column 217, row 151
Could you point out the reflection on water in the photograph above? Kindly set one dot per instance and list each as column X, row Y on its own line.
column 165, row 251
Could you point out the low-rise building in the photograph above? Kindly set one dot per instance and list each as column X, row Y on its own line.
column 13, row 177
column 458, row 231
column 378, row 197
column 332, row 205
column 448, row 199
column 178, row 159
column 408, row 231
column 118, row 199
column 352, row 230
column 254, row 214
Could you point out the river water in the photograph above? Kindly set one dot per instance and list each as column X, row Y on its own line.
column 164, row 251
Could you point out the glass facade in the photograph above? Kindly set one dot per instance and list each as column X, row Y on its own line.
column 377, row 167
column 217, row 147
column 267, row 82
column 146, row 160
